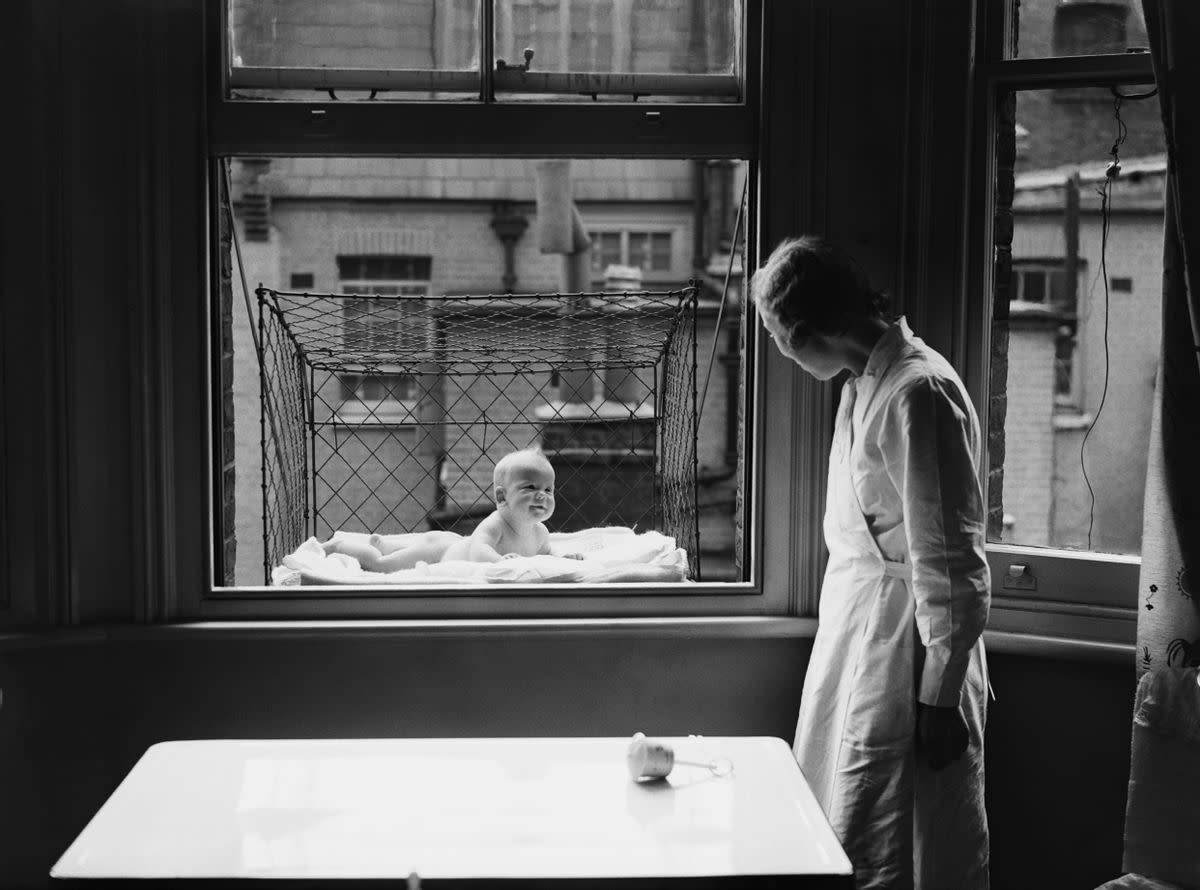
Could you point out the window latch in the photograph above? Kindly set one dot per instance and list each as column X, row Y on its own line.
column 1019, row 577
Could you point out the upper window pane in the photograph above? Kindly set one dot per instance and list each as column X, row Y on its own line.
column 1077, row 303
column 618, row 50
column 405, row 48
column 1077, row 27
column 655, row 49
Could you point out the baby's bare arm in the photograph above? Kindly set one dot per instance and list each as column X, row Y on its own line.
column 484, row 543
column 544, row 546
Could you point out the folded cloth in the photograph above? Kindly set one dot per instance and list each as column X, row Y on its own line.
column 609, row 555
column 1162, row 821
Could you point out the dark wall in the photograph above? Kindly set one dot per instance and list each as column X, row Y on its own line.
column 879, row 152
column 1057, row 750
column 75, row 719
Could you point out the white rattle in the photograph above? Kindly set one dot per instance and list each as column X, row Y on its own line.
column 651, row 759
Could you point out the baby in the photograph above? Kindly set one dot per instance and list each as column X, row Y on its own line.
column 523, row 486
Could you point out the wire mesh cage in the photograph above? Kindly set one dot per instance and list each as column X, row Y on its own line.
column 385, row 413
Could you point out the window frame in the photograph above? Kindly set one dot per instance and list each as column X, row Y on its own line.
column 1079, row 594
column 535, row 75
column 791, row 448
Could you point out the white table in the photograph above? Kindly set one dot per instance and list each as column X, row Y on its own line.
column 440, row 813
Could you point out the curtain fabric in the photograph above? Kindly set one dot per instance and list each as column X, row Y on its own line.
column 1168, row 633
column 1160, row 827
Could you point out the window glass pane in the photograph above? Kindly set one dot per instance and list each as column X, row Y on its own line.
column 606, row 250
column 391, row 416
column 293, row 48
column 1031, row 285
column 660, row 251
column 1077, row 27
column 1074, row 384
column 650, row 251
column 617, row 49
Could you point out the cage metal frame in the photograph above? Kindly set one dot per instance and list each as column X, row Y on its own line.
column 298, row 339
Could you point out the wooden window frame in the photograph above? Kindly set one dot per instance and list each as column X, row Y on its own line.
column 790, row 451
column 1080, row 595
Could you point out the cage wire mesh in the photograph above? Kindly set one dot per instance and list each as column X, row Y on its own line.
column 385, row 414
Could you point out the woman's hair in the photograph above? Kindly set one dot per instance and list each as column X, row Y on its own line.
column 811, row 281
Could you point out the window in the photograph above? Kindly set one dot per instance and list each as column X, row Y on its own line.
column 607, row 250
column 651, row 252
column 379, row 323
column 1078, row 28
column 395, row 210
column 400, row 404
column 1069, row 396
column 1038, row 281
column 539, row 49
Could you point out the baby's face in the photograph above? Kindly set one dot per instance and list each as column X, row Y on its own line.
column 528, row 493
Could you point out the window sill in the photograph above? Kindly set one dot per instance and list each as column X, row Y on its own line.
column 1031, row 645
column 702, row 628
column 717, row 628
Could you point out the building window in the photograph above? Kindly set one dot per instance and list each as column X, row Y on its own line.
column 379, row 324
column 607, row 250
column 652, row 252
column 1038, row 282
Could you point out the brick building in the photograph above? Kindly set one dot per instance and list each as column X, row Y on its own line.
column 1059, row 359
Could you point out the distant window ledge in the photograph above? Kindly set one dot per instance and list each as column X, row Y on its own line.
column 386, row 412
column 1070, row 421
column 597, row 409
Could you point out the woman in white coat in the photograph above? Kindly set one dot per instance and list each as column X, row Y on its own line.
column 890, row 733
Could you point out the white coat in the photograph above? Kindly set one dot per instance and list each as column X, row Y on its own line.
column 903, row 606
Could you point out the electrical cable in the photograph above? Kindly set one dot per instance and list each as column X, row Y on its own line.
column 1105, row 191
column 237, row 249
column 737, row 225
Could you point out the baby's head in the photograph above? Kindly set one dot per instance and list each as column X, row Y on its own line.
column 523, row 483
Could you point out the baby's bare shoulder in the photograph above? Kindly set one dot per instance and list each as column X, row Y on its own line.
column 489, row 527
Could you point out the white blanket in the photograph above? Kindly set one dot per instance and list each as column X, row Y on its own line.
column 611, row 554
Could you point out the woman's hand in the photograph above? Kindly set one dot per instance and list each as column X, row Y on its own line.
column 941, row 735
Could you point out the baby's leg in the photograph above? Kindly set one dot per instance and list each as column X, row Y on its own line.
column 386, row 544
column 427, row 547
column 368, row 557
column 457, row 551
